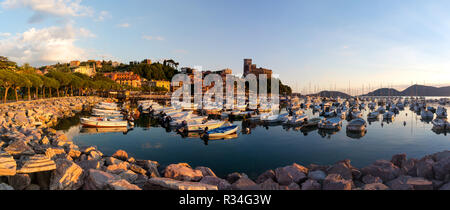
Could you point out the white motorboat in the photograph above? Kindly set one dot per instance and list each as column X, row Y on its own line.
column 103, row 112
column 222, row 131
column 296, row 120
column 357, row 125
column 201, row 126
column 103, row 122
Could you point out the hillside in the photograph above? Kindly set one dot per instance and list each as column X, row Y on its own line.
column 329, row 94
column 415, row 90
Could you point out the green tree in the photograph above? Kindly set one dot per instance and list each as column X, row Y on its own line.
column 35, row 81
column 19, row 82
column 62, row 78
column 7, row 78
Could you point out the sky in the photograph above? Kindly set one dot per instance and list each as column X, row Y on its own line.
column 344, row 45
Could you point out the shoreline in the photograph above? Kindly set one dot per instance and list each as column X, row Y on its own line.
column 43, row 158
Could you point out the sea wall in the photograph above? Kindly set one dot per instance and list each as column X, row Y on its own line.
column 34, row 156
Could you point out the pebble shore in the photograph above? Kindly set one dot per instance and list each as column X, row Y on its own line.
column 33, row 156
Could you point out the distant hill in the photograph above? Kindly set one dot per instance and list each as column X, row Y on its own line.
column 385, row 92
column 415, row 90
column 329, row 94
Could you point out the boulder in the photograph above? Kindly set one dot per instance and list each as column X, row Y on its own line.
column 205, row 171
column 409, row 167
column 150, row 166
column 56, row 153
column 424, row 168
column 167, row 183
column 182, row 172
column 112, row 161
column 369, row 179
column 441, row 155
column 118, row 168
column 410, row 183
column 381, row 168
column 311, row 184
column 399, row 160
column 269, row 174
column 137, row 169
column 233, row 177
column 36, row 163
column 221, row 184
column 294, row 186
column 90, row 164
column 245, row 183
column 98, row 180
column 336, row 182
column 140, row 181
column 67, row 176
column 121, row 154
column 441, row 168
column 7, row 164
column 317, row 175
column 87, row 150
column 343, row 168
column 74, row 154
column 19, row 147
column 375, row 186
column 269, row 184
column 129, row 175
column 19, row 181
column 122, row 185
column 293, row 173
column 95, row 155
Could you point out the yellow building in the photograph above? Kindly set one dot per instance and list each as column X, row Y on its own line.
column 160, row 83
column 85, row 70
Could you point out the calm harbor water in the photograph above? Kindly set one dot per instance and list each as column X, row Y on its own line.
column 268, row 147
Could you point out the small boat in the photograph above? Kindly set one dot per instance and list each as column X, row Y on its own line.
column 426, row 114
column 440, row 124
column 296, row 120
column 312, row 122
column 222, row 131
column 106, row 113
column 441, row 112
column 373, row 115
column 330, row 124
column 103, row 122
column 357, row 125
column 388, row 116
column 196, row 127
column 356, row 114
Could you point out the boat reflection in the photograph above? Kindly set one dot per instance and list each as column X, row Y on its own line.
column 228, row 137
column 327, row 132
column 440, row 131
column 88, row 130
column 356, row 135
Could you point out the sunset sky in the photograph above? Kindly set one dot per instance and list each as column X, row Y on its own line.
column 323, row 44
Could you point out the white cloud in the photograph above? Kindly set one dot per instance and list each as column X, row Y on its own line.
column 5, row 34
column 103, row 15
column 45, row 46
column 50, row 7
column 158, row 38
column 123, row 25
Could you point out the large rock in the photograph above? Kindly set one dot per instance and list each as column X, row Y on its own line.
column 98, row 180
column 441, row 155
column 343, row 168
column 336, row 182
column 269, row 174
column 67, row 176
column 7, row 164
column 245, row 183
column 56, row 153
column 19, row 147
column 410, row 183
column 399, row 160
column 129, row 175
column 19, row 181
column 369, row 179
column 172, row 184
column 121, row 154
column 205, row 171
column 293, row 173
column 311, row 184
column 375, row 186
column 150, row 166
column 384, row 169
column 182, row 172
column 269, row 184
column 86, row 165
column 137, row 169
column 122, row 185
column 118, row 168
column 221, row 184
column 442, row 168
column 233, row 177
column 424, row 168
column 36, row 163
column 317, row 175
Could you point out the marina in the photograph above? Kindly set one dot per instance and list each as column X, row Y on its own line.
column 259, row 142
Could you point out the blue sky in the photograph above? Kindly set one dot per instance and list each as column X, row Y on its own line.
column 312, row 45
